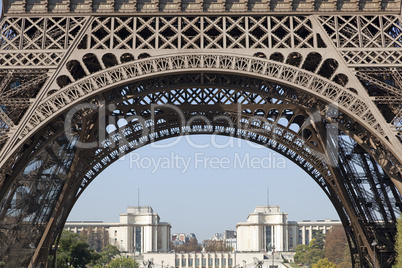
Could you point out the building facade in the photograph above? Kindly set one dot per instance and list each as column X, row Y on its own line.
column 268, row 229
column 214, row 259
column 139, row 231
column 181, row 238
column 228, row 238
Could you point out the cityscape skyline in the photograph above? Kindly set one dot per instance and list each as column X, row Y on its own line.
column 190, row 200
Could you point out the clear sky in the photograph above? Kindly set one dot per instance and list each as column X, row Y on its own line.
column 203, row 185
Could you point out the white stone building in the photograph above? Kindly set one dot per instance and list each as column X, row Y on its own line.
column 267, row 229
column 304, row 231
column 213, row 260
column 139, row 230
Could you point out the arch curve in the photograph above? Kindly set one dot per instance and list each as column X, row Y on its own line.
column 332, row 93
column 293, row 85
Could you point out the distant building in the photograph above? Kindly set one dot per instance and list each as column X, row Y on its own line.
column 228, row 237
column 179, row 239
column 307, row 230
column 93, row 230
column 139, row 230
column 215, row 259
column 267, row 229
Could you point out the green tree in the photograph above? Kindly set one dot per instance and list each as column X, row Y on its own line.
column 313, row 255
column 95, row 241
column 336, row 246
column 324, row 263
column 107, row 253
column 74, row 251
column 319, row 237
column 81, row 254
column 121, row 262
column 310, row 254
column 398, row 244
column 347, row 259
column 300, row 255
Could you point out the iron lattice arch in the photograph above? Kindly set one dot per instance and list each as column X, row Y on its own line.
column 323, row 90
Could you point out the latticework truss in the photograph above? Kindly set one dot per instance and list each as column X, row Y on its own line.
column 317, row 81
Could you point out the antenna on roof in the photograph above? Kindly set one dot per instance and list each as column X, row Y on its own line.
column 138, row 197
column 267, row 196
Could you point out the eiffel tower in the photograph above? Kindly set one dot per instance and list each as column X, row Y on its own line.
column 84, row 82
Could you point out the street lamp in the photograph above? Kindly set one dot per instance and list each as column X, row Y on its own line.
column 273, row 257
column 32, row 246
column 374, row 244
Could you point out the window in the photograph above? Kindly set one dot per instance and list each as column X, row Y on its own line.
column 210, row 262
column 137, row 239
column 190, row 262
column 197, row 262
column 183, row 262
column 216, row 262
column 307, row 237
column 230, row 262
column 300, row 237
column 204, row 263
column 268, row 238
column 177, row 263
column 290, row 238
column 224, row 262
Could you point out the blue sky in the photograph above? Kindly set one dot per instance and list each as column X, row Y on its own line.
column 225, row 179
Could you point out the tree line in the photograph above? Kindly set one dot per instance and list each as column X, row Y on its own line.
column 329, row 251
column 74, row 250
column 326, row 251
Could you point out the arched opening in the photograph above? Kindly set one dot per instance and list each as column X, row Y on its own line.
column 109, row 60
column 272, row 114
column 312, row 61
column 220, row 91
column 294, row 59
column 276, row 57
column 91, row 62
column 75, row 69
column 328, row 68
column 342, row 80
column 63, row 81
column 259, row 112
column 126, row 57
column 260, row 55
column 52, row 91
column 143, row 56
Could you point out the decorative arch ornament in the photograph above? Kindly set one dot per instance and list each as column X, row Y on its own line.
column 345, row 100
